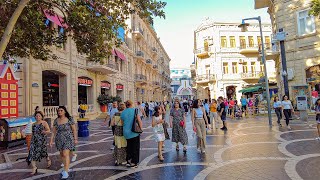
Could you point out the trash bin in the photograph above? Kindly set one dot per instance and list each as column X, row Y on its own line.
column 83, row 128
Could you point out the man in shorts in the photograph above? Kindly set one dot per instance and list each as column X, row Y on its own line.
column 222, row 113
column 244, row 104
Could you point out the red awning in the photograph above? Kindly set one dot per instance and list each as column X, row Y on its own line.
column 120, row 55
column 55, row 19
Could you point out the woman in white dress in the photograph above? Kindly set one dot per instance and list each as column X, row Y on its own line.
column 158, row 130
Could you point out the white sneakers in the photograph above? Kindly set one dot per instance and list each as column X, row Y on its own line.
column 318, row 138
column 73, row 159
column 65, row 175
column 112, row 148
column 289, row 127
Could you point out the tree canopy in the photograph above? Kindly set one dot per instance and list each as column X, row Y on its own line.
column 315, row 7
column 92, row 24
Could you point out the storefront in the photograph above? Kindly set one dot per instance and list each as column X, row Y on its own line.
column 105, row 88
column 85, row 90
column 50, row 88
column 120, row 93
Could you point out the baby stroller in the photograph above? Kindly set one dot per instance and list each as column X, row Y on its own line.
column 237, row 112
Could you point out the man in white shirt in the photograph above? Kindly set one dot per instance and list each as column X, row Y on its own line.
column 151, row 108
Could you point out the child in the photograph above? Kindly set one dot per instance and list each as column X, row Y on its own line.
column 158, row 130
column 317, row 108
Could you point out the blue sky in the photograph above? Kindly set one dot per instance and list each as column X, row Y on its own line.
column 184, row 16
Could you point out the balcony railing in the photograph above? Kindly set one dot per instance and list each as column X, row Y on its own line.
column 138, row 32
column 202, row 50
column 140, row 77
column 154, row 50
column 249, row 46
column 253, row 75
column 50, row 111
column 205, row 78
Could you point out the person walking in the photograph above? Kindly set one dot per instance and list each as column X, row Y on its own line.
column 199, row 121
column 133, row 139
column 317, row 108
column 278, row 109
column 38, row 146
column 112, row 111
column 231, row 108
column 141, row 111
column 222, row 113
column 151, row 108
column 207, row 109
column 214, row 114
column 119, row 140
column 226, row 105
column 157, row 124
column 244, row 105
column 164, row 124
column 147, row 109
column 66, row 137
column 178, row 125
column 287, row 109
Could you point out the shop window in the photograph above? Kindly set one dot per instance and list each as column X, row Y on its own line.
column 232, row 41
column 9, row 76
column 4, row 103
column 4, row 86
column 85, row 90
column 50, row 88
column 13, row 102
column 4, row 94
column 13, row 87
column 268, row 42
column 223, row 41
column 306, row 24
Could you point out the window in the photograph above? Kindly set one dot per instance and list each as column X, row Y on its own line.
column 261, row 67
column 242, row 42
column 225, row 68
column 8, row 76
column 232, row 41
column 259, row 40
column 4, row 103
column 13, row 87
column 234, row 67
column 223, row 41
column 253, row 66
column 206, row 45
column 4, row 86
column 245, row 67
column 13, row 103
column 268, row 42
column 251, row 41
column 306, row 23
column 12, row 95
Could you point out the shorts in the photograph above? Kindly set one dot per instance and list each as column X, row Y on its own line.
column 223, row 118
column 244, row 107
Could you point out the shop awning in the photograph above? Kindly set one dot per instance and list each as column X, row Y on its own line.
column 55, row 19
column 120, row 55
column 251, row 89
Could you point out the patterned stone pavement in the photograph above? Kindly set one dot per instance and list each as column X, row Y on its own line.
column 250, row 149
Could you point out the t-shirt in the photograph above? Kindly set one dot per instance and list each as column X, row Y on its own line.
column 286, row 104
column 213, row 107
column 127, row 117
column 231, row 103
column 220, row 109
column 243, row 101
column 277, row 104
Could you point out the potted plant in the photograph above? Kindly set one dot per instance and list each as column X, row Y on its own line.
column 103, row 101
column 116, row 98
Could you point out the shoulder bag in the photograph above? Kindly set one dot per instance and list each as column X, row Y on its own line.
column 135, row 125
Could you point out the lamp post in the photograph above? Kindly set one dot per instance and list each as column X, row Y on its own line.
column 244, row 25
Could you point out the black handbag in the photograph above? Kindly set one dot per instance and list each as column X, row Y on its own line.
column 135, row 125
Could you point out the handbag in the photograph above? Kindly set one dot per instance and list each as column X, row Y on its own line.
column 135, row 125
column 181, row 123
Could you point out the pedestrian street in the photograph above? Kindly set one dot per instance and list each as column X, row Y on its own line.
column 248, row 150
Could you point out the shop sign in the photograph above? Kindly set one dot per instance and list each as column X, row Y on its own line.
column 105, row 85
column 119, row 87
column 84, row 82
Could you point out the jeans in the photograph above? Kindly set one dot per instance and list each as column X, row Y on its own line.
column 150, row 112
column 279, row 114
column 287, row 114
column 133, row 149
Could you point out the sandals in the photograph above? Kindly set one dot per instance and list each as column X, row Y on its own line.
column 161, row 159
column 49, row 162
column 34, row 172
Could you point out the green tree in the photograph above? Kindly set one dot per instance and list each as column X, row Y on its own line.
column 92, row 25
column 315, row 8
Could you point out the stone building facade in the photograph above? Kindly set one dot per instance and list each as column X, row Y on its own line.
column 227, row 59
column 302, row 44
column 138, row 70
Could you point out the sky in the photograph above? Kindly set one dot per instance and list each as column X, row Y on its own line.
column 184, row 16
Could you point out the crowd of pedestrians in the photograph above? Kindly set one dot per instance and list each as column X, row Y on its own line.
column 122, row 117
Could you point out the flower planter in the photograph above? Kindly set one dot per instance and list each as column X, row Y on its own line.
column 103, row 108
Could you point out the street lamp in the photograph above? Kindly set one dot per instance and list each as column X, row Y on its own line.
column 243, row 27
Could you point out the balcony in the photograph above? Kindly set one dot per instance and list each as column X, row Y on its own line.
column 272, row 51
column 137, row 33
column 155, row 66
column 104, row 69
column 203, row 53
column 154, row 51
column 140, row 55
column 251, row 77
column 258, row 4
column 156, row 84
column 205, row 79
column 140, row 79
column 149, row 62
column 249, row 50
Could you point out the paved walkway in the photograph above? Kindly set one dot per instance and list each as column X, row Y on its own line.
column 248, row 150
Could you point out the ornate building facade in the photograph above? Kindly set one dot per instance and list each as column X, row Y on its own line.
column 138, row 70
column 227, row 59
